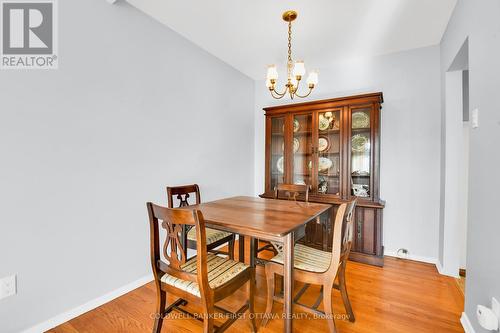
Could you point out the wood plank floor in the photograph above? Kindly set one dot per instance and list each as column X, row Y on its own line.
column 402, row 297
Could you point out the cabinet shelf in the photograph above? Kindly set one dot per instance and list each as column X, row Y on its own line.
column 329, row 153
column 303, row 174
column 329, row 131
column 329, row 175
column 361, row 130
column 302, row 133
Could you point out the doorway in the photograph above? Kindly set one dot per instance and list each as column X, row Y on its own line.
column 455, row 168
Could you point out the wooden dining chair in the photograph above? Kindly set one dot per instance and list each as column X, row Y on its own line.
column 204, row 279
column 289, row 192
column 215, row 238
column 312, row 266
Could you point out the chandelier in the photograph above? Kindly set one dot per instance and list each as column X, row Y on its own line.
column 295, row 71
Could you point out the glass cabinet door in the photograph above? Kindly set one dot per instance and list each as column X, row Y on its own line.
column 361, row 152
column 277, row 158
column 302, row 148
column 329, row 150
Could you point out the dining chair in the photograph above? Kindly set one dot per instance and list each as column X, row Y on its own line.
column 204, row 279
column 215, row 238
column 289, row 192
column 313, row 266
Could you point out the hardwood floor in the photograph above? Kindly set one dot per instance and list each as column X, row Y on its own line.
column 402, row 297
column 461, row 284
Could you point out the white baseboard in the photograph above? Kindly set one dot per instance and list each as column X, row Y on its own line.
column 464, row 320
column 90, row 305
column 412, row 257
column 428, row 260
column 442, row 270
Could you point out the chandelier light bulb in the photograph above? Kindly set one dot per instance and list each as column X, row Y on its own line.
column 312, row 80
column 299, row 69
column 272, row 72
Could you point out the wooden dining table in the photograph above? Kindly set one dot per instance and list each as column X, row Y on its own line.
column 266, row 219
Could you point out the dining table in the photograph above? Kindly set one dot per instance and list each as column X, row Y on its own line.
column 266, row 219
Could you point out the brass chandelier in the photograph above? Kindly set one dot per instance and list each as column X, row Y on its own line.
column 295, row 71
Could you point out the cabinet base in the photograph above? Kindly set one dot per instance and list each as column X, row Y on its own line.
column 367, row 259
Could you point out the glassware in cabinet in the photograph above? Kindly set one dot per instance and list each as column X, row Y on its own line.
column 277, row 151
column 329, row 152
column 361, row 152
column 302, row 148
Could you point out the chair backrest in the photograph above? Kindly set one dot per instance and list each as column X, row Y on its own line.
column 172, row 220
column 348, row 229
column 292, row 191
column 183, row 194
column 337, row 239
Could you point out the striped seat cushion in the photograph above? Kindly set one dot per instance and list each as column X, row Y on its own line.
column 308, row 259
column 220, row 270
column 213, row 235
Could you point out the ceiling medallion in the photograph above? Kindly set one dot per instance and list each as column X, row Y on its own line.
column 295, row 70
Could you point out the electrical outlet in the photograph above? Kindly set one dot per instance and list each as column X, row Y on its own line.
column 8, row 286
column 402, row 253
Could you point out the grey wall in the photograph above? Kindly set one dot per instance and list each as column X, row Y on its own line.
column 410, row 139
column 454, row 184
column 478, row 20
column 132, row 108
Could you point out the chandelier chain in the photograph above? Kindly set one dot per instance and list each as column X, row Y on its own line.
column 289, row 64
column 290, row 41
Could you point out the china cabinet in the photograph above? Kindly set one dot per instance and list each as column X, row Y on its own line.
column 334, row 147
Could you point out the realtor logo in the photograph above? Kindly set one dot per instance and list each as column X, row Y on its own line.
column 28, row 34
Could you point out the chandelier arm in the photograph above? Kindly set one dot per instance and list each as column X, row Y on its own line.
column 304, row 96
column 276, row 95
column 298, row 84
column 279, row 94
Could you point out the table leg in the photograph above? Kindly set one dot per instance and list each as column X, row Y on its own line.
column 288, row 282
column 241, row 250
column 253, row 249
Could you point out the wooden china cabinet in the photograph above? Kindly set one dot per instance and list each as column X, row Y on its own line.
column 334, row 147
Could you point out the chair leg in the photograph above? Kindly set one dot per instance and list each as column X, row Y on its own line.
column 251, row 301
column 328, row 307
column 270, row 294
column 161, row 300
column 343, row 292
column 230, row 248
column 208, row 323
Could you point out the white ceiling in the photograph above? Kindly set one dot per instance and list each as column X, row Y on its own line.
column 249, row 35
